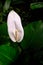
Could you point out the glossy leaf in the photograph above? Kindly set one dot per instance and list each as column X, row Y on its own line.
column 33, row 35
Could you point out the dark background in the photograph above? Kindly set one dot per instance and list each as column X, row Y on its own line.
column 29, row 56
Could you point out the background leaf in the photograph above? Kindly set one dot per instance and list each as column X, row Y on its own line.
column 36, row 5
column 6, row 5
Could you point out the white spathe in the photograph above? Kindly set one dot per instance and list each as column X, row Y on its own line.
column 15, row 28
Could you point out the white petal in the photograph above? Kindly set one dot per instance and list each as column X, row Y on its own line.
column 13, row 24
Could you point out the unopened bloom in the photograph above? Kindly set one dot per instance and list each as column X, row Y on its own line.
column 15, row 28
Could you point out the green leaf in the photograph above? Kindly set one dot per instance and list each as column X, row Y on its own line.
column 33, row 36
column 8, row 54
column 18, row 1
column 36, row 5
column 3, row 34
column 3, row 29
column 6, row 5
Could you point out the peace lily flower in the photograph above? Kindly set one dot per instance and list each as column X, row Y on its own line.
column 15, row 29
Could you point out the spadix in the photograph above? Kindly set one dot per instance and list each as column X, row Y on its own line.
column 15, row 29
